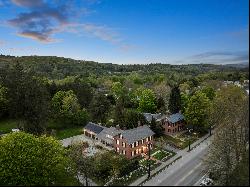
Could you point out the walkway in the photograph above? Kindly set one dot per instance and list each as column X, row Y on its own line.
column 179, row 153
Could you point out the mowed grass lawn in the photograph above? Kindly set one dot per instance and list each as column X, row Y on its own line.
column 66, row 133
column 7, row 124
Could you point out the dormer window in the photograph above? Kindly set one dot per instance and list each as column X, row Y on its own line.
column 120, row 136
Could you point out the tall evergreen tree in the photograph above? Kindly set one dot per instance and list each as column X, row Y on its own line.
column 99, row 108
column 28, row 98
column 175, row 100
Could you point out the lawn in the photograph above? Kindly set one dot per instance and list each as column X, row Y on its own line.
column 62, row 133
column 7, row 124
column 68, row 132
column 144, row 162
column 162, row 155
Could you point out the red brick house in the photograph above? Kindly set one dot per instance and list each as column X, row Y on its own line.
column 134, row 142
column 173, row 124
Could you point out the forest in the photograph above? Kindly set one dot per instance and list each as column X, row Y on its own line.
column 44, row 94
column 51, row 98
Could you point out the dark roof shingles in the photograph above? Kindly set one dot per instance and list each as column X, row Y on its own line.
column 93, row 127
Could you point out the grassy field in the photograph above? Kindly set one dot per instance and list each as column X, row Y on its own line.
column 7, row 124
column 66, row 133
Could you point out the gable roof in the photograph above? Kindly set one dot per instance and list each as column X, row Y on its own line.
column 149, row 116
column 139, row 133
column 94, row 127
column 112, row 131
column 175, row 117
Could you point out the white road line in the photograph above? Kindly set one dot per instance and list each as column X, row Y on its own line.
column 189, row 173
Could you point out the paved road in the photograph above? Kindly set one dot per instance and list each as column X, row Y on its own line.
column 186, row 171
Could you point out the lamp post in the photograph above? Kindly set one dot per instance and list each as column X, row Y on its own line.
column 189, row 139
column 149, row 160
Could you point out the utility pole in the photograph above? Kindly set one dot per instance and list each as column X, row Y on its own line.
column 189, row 139
column 148, row 160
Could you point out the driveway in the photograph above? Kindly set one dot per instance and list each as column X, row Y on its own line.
column 68, row 141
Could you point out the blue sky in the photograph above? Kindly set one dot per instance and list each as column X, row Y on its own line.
column 127, row 31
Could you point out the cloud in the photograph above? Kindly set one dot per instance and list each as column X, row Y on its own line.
column 29, row 3
column 102, row 32
column 42, row 20
column 217, row 57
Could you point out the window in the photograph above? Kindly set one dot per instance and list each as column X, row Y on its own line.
column 117, row 149
column 123, row 144
column 136, row 143
column 124, row 152
column 117, row 142
column 142, row 141
column 120, row 136
column 168, row 130
column 137, row 151
column 147, row 139
column 132, row 153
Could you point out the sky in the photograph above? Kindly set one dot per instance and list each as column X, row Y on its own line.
column 128, row 31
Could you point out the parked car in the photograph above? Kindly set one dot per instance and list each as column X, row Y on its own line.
column 15, row 130
column 206, row 182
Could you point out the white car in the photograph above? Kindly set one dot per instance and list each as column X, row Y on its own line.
column 15, row 130
column 206, row 182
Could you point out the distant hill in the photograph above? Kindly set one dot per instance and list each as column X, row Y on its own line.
column 240, row 65
column 60, row 67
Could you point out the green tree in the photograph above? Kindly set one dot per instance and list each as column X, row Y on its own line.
column 196, row 113
column 147, row 101
column 82, row 164
column 161, row 105
column 184, row 101
column 175, row 100
column 3, row 100
column 99, row 108
column 156, row 128
column 209, row 91
column 29, row 160
column 117, row 89
column 228, row 154
column 28, row 98
column 131, row 118
column 67, row 110
column 119, row 112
